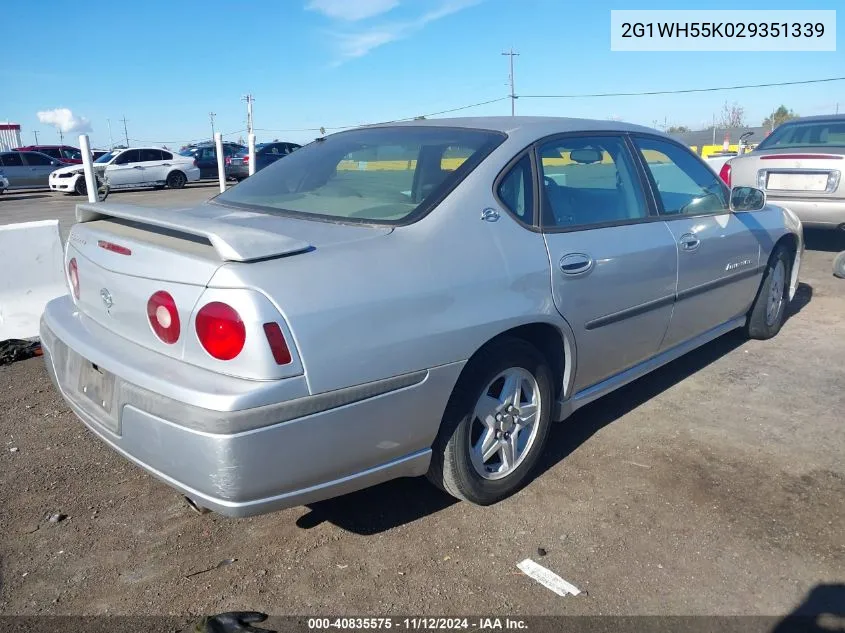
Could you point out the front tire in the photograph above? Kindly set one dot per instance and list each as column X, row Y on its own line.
column 839, row 265
column 176, row 180
column 495, row 424
column 769, row 309
column 80, row 188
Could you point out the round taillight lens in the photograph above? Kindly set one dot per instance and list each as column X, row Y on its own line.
column 220, row 330
column 73, row 275
column 725, row 174
column 164, row 318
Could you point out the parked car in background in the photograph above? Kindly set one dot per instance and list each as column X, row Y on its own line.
column 133, row 167
column 28, row 170
column 206, row 156
column 799, row 166
column 237, row 166
column 63, row 153
column 405, row 299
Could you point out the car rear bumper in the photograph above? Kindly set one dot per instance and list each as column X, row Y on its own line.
column 237, row 171
column 252, row 460
column 813, row 213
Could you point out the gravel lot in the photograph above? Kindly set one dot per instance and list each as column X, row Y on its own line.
column 713, row 486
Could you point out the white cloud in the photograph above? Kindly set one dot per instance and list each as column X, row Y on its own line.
column 357, row 44
column 351, row 10
column 65, row 120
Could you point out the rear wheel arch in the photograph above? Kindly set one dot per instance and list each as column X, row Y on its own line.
column 554, row 344
column 790, row 242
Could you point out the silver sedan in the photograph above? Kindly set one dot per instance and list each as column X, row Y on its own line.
column 403, row 300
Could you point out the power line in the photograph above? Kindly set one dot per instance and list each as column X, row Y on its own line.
column 410, row 118
column 685, row 91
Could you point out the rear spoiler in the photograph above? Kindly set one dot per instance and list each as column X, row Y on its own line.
column 233, row 242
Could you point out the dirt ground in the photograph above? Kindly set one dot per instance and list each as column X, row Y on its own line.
column 716, row 485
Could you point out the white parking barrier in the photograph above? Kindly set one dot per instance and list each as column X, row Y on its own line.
column 221, row 162
column 251, row 145
column 32, row 274
column 88, row 165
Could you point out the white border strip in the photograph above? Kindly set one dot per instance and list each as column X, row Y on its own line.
column 547, row 578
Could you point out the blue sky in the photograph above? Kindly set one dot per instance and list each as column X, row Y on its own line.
column 311, row 63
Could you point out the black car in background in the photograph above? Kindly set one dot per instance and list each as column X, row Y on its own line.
column 206, row 156
column 237, row 166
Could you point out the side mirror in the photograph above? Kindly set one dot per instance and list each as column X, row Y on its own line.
column 747, row 199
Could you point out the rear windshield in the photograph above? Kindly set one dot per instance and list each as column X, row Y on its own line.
column 106, row 157
column 819, row 134
column 376, row 175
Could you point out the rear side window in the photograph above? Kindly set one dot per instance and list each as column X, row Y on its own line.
column 166, row 155
column 36, row 159
column 516, row 190
column 685, row 185
column 13, row 159
column 589, row 181
column 381, row 175
column 52, row 153
column 148, row 155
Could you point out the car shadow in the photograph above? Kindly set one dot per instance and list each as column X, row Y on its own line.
column 23, row 196
column 803, row 296
column 822, row 610
column 831, row 241
column 395, row 503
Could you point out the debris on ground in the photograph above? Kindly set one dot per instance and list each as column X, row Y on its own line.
column 547, row 578
column 223, row 563
column 541, row 551
column 15, row 349
column 56, row 517
column 14, row 449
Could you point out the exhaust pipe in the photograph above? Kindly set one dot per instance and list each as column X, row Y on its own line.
column 195, row 506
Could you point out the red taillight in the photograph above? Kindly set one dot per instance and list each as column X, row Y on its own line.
column 278, row 345
column 73, row 275
column 228, row 160
column 220, row 330
column 801, row 157
column 725, row 174
column 164, row 318
column 114, row 248
column 246, row 159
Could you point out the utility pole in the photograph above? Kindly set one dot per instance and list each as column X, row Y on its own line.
column 111, row 140
column 837, row 107
column 211, row 115
column 249, row 99
column 36, row 136
column 125, row 133
column 512, row 54
column 61, row 137
column 714, row 129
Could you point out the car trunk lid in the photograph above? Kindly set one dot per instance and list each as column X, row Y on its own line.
column 798, row 173
column 126, row 253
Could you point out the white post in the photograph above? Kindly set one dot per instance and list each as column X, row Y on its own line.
column 88, row 166
column 251, row 144
column 221, row 163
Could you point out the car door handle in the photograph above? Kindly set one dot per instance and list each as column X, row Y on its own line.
column 576, row 264
column 689, row 242
column 165, row 164
column 137, row 167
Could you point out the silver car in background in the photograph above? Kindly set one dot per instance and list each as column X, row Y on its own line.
column 799, row 166
column 405, row 299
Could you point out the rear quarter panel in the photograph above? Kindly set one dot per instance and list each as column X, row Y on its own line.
column 424, row 295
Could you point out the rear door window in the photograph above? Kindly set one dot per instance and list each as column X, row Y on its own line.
column 150, row 155
column 589, row 181
column 516, row 190
column 36, row 159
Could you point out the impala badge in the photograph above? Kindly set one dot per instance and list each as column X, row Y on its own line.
column 739, row 264
column 105, row 295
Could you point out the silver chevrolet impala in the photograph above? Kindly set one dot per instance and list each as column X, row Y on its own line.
column 422, row 298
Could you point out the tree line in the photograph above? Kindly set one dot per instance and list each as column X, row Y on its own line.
column 733, row 116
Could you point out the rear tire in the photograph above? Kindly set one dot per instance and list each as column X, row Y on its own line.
column 489, row 439
column 768, row 312
column 176, row 180
column 839, row 265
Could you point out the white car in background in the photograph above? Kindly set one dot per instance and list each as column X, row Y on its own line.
column 131, row 168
